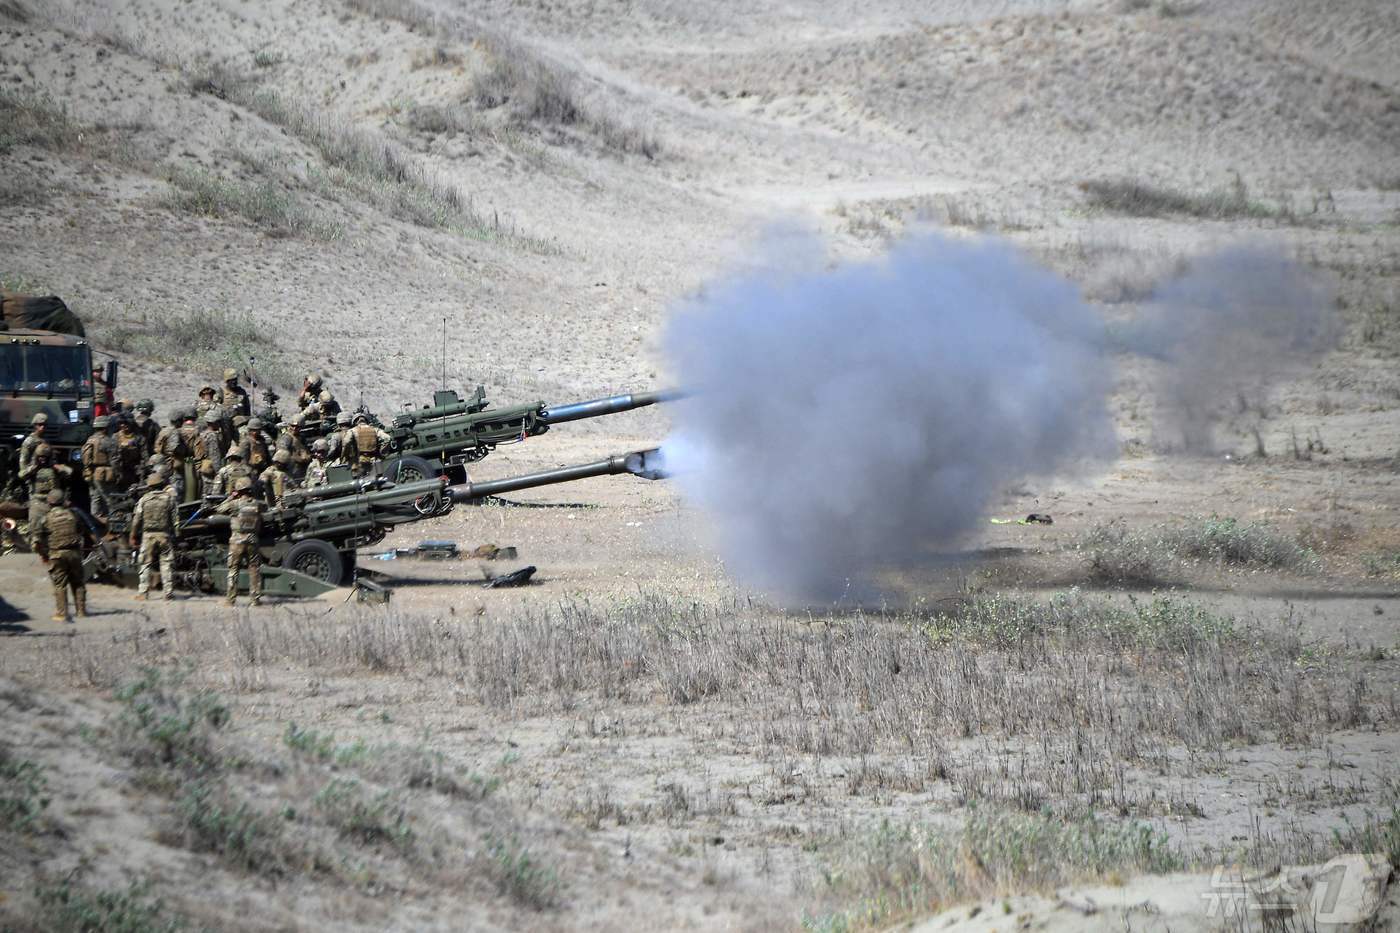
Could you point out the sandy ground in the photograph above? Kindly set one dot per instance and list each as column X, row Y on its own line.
column 850, row 119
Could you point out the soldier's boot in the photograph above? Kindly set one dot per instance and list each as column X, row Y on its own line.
column 60, row 605
column 80, row 602
column 140, row 597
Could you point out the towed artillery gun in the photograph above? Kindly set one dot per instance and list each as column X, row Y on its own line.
column 309, row 540
column 442, row 438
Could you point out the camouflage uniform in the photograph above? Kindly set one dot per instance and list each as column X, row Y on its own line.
column 316, row 469
column 170, row 444
column 189, row 468
column 232, row 471
column 100, row 465
column 310, row 391
column 290, row 441
column 30, row 442
column 153, row 525
column 44, row 477
column 147, row 426
column 338, row 439
column 211, row 449
column 207, row 403
column 364, row 446
column 131, row 454
column 233, row 397
column 59, row 541
column 256, row 449
column 245, row 523
column 276, row 481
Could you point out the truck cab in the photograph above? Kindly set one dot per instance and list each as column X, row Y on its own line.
column 42, row 371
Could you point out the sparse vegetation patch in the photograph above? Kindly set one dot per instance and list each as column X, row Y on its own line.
column 23, row 793
column 900, row 872
column 67, row 907
column 1139, row 199
column 1127, row 556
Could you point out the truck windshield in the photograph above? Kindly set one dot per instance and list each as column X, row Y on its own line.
column 50, row 370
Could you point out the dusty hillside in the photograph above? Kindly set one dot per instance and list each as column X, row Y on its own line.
column 1194, row 665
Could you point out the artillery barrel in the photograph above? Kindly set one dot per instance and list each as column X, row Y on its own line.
column 561, row 414
column 636, row 463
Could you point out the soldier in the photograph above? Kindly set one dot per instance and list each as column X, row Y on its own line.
column 156, row 464
column 147, row 426
column 276, row 481
column 206, row 402
column 170, row 443
column 153, row 528
column 290, row 441
column 100, row 465
column 233, row 470
column 189, row 468
column 59, row 542
column 255, row 447
column 233, row 397
column 328, row 405
column 316, row 469
column 244, row 525
column 37, row 425
column 131, row 454
column 339, row 439
column 210, row 446
column 310, row 391
column 366, row 444
column 44, row 477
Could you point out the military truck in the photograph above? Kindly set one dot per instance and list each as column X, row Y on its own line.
column 46, row 365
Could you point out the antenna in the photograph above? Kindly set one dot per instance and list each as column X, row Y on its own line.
column 444, row 353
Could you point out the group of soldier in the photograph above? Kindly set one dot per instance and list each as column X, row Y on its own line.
column 216, row 450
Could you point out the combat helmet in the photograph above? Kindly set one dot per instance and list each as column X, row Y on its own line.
column 39, row 418
column 243, row 484
column 55, row 497
column 282, row 458
column 155, row 481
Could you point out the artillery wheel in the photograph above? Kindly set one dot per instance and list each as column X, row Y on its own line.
column 316, row 559
column 410, row 470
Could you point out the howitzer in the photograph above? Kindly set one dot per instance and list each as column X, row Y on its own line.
column 442, row 438
column 309, row 539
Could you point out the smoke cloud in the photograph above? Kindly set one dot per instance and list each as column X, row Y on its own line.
column 1232, row 326
column 858, row 416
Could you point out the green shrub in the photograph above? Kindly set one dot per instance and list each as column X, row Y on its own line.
column 66, row 908
column 214, row 821
column 22, row 792
column 520, row 875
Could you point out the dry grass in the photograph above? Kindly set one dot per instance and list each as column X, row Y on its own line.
column 902, row 872
column 1037, row 714
column 1139, row 199
column 1116, row 553
column 520, row 81
column 267, row 204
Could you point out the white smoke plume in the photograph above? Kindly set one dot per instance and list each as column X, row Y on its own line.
column 858, row 416
column 1226, row 331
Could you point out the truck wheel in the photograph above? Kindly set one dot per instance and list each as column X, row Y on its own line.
column 410, row 470
column 316, row 559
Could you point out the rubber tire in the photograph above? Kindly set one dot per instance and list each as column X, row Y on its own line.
column 423, row 468
column 318, row 559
